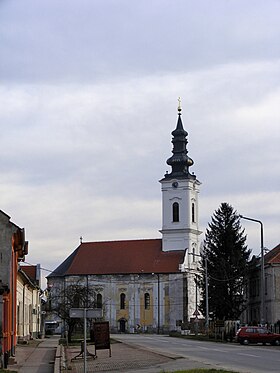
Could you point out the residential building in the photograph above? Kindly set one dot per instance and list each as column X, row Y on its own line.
column 271, row 289
column 13, row 249
column 28, row 303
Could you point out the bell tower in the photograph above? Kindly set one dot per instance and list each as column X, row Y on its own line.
column 180, row 189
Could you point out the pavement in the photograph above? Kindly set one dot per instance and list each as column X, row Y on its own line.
column 38, row 356
column 130, row 359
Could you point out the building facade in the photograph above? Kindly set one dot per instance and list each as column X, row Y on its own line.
column 271, row 290
column 13, row 249
column 146, row 285
column 28, row 303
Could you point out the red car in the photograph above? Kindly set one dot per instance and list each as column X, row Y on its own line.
column 257, row 334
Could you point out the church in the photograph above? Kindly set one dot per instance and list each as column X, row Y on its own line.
column 146, row 285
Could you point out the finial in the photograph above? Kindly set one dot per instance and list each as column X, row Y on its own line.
column 179, row 105
column 81, row 239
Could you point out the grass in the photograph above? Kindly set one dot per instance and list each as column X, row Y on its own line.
column 203, row 371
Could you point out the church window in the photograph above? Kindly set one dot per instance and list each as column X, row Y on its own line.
column 175, row 207
column 122, row 301
column 193, row 212
column 99, row 301
column 194, row 254
column 147, row 301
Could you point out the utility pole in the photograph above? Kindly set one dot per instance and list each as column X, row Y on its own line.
column 206, row 296
column 262, row 267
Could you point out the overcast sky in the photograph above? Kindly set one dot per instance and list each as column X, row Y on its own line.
column 88, row 101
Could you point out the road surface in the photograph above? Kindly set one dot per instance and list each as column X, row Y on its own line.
column 251, row 359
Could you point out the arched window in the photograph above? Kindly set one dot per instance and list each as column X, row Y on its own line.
column 99, row 301
column 193, row 212
column 147, row 301
column 122, row 301
column 175, row 208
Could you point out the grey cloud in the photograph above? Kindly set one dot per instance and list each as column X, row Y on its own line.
column 88, row 103
column 60, row 41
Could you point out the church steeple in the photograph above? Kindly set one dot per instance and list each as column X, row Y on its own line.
column 180, row 189
column 180, row 161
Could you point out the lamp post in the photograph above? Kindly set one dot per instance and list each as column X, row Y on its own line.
column 206, row 296
column 262, row 266
column 158, row 305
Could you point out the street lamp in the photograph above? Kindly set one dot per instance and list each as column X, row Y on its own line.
column 262, row 266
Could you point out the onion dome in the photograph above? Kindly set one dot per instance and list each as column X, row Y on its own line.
column 180, row 161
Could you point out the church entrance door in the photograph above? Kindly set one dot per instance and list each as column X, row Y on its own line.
column 122, row 325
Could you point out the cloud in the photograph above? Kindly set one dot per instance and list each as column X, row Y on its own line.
column 88, row 102
column 96, row 41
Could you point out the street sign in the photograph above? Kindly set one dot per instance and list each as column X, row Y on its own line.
column 85, row 313
column 91, row 313
column 219, row 323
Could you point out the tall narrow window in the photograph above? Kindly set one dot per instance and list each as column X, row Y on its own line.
column 147, row 301
column 122, row 301
column 193, row 212
column 193, row 251
column 175, row 207
column 99, row 301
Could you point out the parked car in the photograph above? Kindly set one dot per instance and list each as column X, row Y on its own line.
column 256, row 334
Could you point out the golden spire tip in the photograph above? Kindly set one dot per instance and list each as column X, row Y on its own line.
column 179, row 105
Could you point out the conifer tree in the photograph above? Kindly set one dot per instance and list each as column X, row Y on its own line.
column 227, row 258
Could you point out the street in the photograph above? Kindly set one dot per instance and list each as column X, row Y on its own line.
column 249, row 359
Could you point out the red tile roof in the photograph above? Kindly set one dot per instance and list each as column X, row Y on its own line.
column 273, row 256
column 30, row 271
column 120, row 257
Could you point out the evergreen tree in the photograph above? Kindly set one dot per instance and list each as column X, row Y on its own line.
column 227, row 260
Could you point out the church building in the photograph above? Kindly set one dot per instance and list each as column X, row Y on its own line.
column 146, row 285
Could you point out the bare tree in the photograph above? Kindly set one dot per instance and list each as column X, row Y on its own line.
column 74, row 295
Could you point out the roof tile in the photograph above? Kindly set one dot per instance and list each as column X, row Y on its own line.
column 121, row 257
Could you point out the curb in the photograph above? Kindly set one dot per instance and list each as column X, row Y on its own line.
column 60, row 362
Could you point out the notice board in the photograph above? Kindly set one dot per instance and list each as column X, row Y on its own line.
column 101, row 336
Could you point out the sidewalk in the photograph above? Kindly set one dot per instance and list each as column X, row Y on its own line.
column 36, row 357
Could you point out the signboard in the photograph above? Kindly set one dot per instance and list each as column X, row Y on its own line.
column 101, row 336
column 219, row 323
column 91, row 313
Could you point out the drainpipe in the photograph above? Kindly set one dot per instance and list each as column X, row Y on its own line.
column 23, row 311
column 1, row 318
column 158, row 304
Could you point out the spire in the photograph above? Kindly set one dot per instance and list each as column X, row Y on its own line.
column 180, row 162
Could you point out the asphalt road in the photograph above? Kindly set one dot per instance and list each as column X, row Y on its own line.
column 249, row 359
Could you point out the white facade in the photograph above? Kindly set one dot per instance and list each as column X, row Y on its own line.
column 182, row 233
column 151, row 302
column 28, row 309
